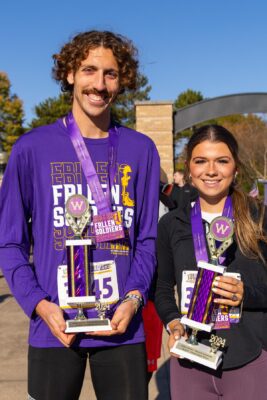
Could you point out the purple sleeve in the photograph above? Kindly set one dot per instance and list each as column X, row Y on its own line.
column 15, row 213
column 147, row 195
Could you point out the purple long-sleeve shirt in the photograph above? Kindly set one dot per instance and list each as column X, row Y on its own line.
column 42, row 172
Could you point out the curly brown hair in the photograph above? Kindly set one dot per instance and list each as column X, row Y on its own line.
column 74, row 52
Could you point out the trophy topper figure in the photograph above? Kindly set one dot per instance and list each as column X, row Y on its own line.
column 221, row 230
column 77, row 213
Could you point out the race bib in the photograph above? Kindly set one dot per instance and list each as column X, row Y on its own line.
column 104, row 283
column 188, row 283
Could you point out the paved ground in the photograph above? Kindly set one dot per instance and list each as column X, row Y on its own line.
column 13, row 356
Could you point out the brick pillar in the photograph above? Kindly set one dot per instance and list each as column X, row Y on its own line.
column 155, row 119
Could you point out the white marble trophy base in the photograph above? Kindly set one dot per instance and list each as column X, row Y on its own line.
column 196, row 325
column 87, row 324
column 84, row 301
column 199, row 353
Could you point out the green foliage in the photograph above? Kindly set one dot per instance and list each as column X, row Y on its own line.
column 123, row 109
column 184, row 99
column 188, row 97
column 11, row 114
column 49, row 110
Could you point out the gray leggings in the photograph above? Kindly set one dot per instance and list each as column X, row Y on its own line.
column 244, row 383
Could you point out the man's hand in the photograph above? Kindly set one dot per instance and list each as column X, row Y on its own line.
column 52, row 315
column 120, row 321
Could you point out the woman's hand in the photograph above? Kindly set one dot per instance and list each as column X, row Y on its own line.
column 230, row 289
column 176, row 330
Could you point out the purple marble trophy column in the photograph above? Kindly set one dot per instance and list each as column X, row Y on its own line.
column 78, row 270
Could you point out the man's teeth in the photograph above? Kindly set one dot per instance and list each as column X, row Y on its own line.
column 95, row 97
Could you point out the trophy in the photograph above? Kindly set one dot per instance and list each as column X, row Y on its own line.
column 202, row 307
column 78, row 269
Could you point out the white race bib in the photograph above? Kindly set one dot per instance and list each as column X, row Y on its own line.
column 188, row 283
column 104, row 283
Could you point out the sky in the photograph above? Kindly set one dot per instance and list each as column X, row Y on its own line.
column 217, row 47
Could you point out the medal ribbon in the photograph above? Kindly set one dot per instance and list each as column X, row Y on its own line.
column 102, row 201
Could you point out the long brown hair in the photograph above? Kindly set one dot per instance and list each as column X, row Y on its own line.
column 248, row 213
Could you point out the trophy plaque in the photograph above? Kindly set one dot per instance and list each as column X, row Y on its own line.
column 201, row 305
column 79, row 275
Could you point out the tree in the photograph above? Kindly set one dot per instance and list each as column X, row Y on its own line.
column 49, row 110
column 11, row 114
column 251, row 134
column 123, row 109
column 180, row 139
column 188, row 97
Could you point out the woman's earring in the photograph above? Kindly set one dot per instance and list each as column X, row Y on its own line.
column 235, row 179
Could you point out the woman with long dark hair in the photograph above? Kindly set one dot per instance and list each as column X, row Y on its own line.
column 213, row 167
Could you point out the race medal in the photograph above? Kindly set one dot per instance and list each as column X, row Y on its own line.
column 108, row 227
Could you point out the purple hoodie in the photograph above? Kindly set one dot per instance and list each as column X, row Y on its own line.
column 42, row 172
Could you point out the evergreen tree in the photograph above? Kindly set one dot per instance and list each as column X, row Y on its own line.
column 123, row 109
column 188, row 97
column 49, row 110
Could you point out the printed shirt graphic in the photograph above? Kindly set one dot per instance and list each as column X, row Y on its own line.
column 67, row 180
column 42, row 173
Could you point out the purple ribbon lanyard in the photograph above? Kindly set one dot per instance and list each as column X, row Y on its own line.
column 199, row 237
column 102, row 201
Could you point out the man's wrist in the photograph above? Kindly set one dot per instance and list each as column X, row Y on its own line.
column 137, row 299
column 41, row 306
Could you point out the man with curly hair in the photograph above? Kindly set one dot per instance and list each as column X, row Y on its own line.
column 45, row 169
